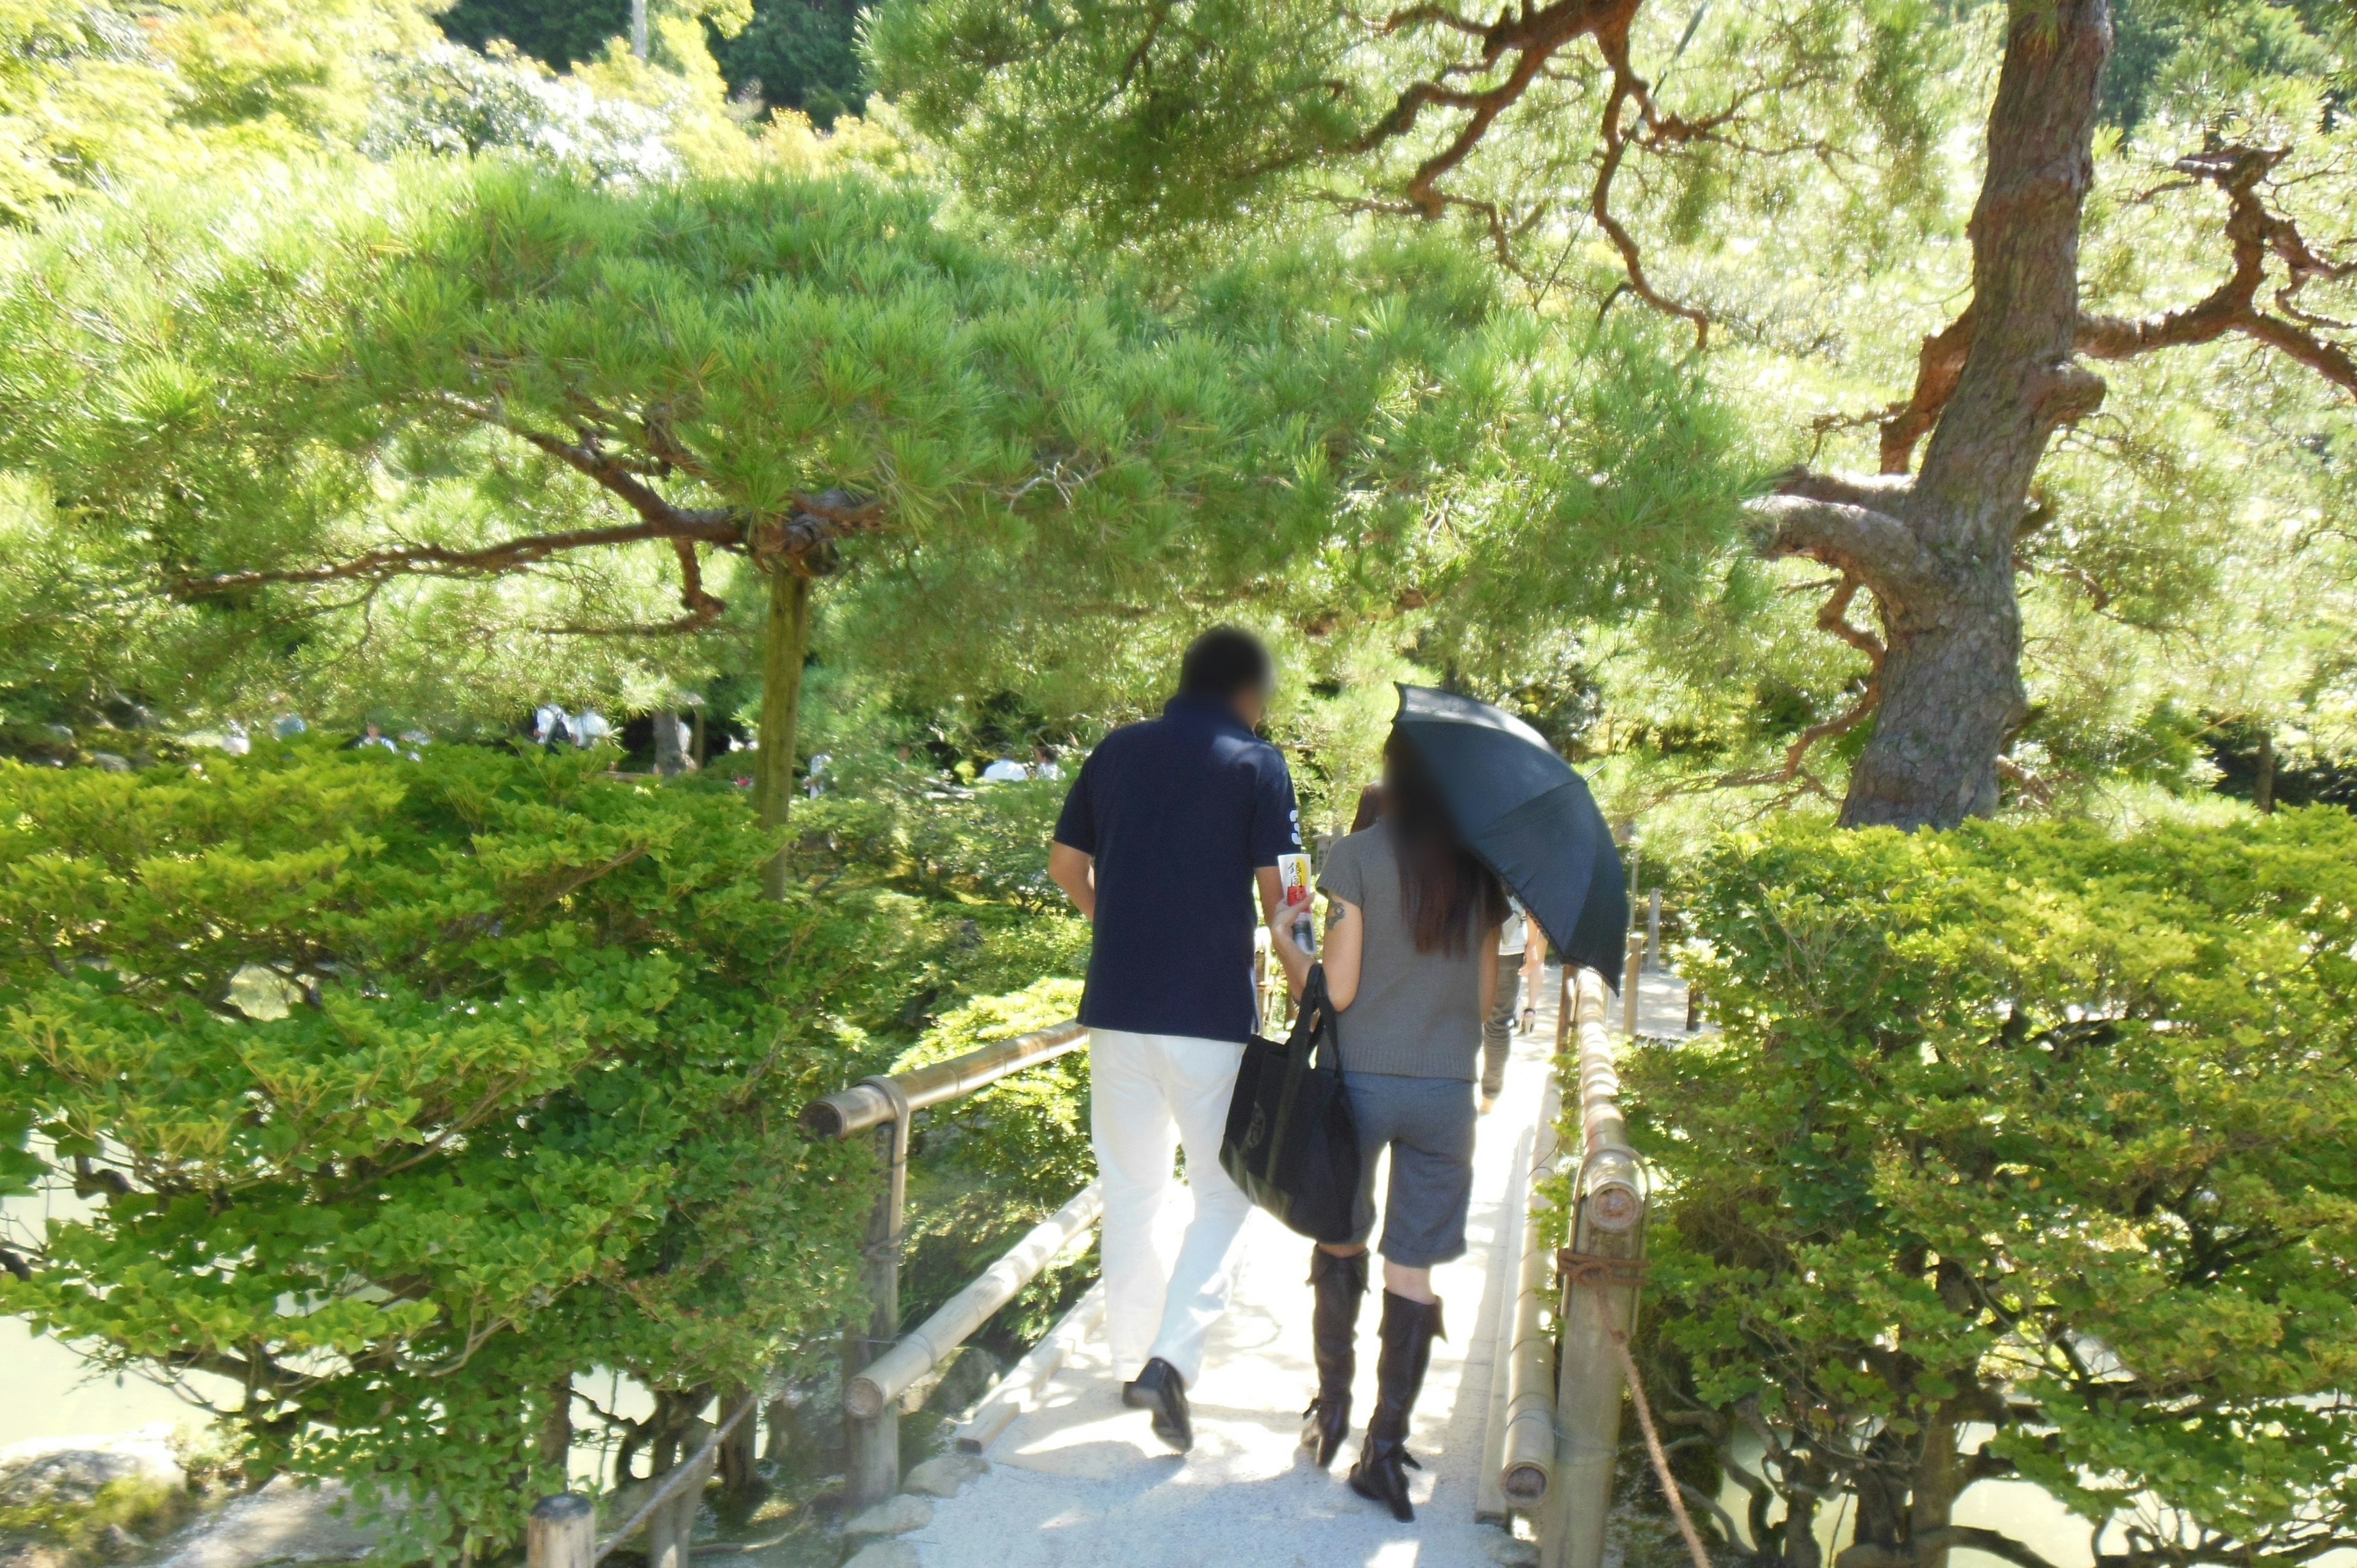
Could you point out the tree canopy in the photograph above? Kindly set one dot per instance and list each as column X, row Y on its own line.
column 507, row 399
column 1782, row 181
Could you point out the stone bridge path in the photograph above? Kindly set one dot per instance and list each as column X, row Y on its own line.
column 1081, row 1481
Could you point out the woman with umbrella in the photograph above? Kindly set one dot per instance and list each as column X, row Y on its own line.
column 1474, row 804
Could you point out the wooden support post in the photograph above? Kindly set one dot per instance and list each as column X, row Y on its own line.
column 1631, row 973
column 562, row 1532
column 1653, row 930
column 669, row 1528
column 871, row 1458
column 1694, row 1007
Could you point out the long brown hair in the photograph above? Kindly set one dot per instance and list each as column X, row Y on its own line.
column 1450, row 895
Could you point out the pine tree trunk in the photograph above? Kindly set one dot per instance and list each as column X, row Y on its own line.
column 556, row 1445
column 1939, row 1477
column 1951, row 682
column 739, row 1449
column 1951, row 694
column 781, row 695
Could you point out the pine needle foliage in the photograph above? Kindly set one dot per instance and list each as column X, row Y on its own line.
column 338, row 405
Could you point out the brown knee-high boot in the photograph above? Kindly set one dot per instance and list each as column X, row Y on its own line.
column 1340, row 1284
column 1380, row 1474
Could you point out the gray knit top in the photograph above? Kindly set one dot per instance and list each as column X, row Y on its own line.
column 1417, row 1014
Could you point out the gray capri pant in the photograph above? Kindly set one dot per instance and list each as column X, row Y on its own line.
column 1427, row 1124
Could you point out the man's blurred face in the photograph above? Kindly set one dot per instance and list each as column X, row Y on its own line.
column 1250, row 705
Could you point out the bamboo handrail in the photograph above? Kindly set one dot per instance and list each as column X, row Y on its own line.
column 923, row 1348
column 869, row 1102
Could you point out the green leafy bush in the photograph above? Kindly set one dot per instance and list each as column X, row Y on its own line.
column 992, row 842
column 1029, row 1130
column 514, row 1098
column 2027, row 1150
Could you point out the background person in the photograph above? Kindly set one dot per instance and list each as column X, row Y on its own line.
column 1498, row 1023
column 1163, row 836
column 1534, row 950
column 1411, row 966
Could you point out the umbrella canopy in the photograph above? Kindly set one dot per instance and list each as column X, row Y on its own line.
column 1529, row 817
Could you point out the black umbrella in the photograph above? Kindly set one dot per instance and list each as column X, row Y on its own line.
column 1529, row 817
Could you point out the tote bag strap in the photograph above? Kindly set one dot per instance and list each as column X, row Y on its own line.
column 1315, row 1016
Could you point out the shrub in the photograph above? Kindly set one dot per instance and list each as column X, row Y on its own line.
column 2027, row 1151
column 511, row 1095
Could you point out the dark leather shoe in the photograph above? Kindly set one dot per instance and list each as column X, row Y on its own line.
column 1161, row 1389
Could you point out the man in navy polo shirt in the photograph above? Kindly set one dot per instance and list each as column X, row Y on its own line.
column 1162, row 839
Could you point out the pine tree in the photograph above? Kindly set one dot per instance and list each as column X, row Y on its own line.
column 1739, row 170
column 378, row 386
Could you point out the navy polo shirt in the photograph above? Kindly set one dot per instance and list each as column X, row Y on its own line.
column 1179, row 811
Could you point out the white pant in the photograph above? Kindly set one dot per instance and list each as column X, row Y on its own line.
column 1149, row 1094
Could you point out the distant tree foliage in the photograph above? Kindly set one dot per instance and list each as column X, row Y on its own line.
column 447, row 99
column 799, row 54
column 93, row 92
column 561, row 32
column 793, row 54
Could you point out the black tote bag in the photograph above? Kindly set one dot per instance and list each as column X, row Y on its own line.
column 1290, row 1142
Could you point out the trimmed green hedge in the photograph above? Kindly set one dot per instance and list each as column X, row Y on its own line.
column 412, row 1088
column 2027, row 1150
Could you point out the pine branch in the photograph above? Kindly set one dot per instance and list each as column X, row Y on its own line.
column 2254, row 236
column 442, row 561
column 1867, row 543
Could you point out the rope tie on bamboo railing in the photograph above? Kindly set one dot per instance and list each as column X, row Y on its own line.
column 1592, row 1269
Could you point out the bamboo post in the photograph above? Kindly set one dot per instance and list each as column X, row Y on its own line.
column 872, row 1437
column 670, row 1526
column 1632, row 978
column 872, row 1440
column 1598, row 1299
column 562, row 1532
